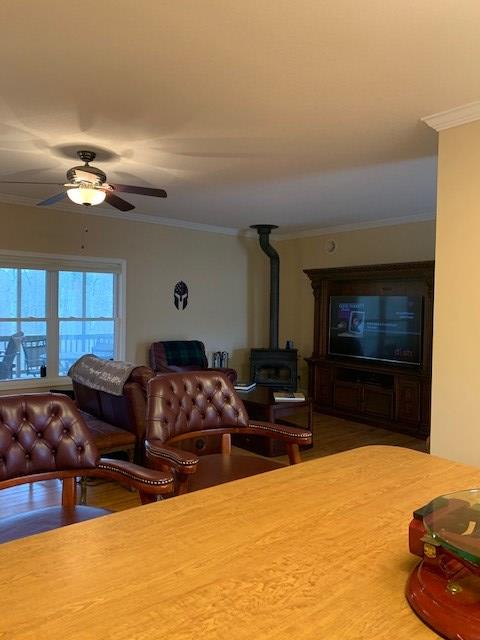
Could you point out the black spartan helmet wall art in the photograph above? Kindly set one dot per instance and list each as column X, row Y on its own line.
column 180, row 295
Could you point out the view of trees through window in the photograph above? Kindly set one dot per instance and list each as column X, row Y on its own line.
column 48, row 319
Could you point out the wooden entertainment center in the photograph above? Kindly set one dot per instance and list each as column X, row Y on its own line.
column 395, row 396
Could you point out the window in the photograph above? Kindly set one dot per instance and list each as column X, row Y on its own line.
column 86, row 311
column 53, row 313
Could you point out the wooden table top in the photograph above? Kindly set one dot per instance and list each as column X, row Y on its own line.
column 316, row 550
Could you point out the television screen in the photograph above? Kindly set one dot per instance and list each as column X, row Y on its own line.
column 387, row 328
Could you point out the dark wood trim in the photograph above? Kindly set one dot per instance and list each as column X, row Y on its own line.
column 373, row 271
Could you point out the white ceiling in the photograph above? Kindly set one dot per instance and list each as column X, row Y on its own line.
column 301, row 113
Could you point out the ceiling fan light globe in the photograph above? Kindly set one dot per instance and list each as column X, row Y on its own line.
column 86, row 195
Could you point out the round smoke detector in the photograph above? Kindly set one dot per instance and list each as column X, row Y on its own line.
column 330, row 246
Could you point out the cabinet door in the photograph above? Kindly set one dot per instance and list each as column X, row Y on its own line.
column 323, row 386
column 347, row 396
column 378, row 402
column 408, row 400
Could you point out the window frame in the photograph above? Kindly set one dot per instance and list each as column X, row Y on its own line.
column 53, row 263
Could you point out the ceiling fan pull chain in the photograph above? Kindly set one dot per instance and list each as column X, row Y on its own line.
column 84, row 232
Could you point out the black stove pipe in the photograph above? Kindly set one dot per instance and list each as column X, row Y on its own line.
column 263, row 236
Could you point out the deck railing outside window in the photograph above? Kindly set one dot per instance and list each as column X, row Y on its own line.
column 71, row 348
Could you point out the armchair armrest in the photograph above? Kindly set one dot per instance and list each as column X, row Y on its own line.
column 292, row 436
column 147, row 481
column 295, row 435
column 157, row 452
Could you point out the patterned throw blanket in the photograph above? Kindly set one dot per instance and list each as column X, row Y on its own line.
column 103, row 375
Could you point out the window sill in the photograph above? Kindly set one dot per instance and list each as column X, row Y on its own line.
column 34, row 384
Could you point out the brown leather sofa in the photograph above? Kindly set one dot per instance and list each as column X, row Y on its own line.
column 117, row 423
column 43, row 437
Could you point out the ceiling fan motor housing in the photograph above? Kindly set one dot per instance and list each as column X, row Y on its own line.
column 97, row 174
column 86, row 156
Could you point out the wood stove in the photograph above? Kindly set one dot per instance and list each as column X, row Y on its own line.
column 273, row 367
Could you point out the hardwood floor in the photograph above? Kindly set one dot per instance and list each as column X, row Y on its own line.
column 331, row 435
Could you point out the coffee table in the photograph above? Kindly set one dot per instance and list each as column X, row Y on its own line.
column 260, row 405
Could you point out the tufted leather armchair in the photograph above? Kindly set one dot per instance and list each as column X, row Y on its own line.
column 43, row 437
column 189, row 407
column 171, row 356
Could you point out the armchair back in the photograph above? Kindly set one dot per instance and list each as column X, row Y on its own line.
column 178, row 353
column 41, row 433
column 181, row 403
column 170, row 356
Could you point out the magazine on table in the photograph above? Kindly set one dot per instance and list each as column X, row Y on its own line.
column 244, row 386
column 289, row 396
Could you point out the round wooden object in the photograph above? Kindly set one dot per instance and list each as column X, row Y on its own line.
column 450, row 606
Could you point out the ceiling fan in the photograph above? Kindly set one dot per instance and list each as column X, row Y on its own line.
column 88, row 185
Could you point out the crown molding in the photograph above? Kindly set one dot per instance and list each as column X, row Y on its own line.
column 355, row 226
column 228, row 231
column 122, row 215
column 453, row 117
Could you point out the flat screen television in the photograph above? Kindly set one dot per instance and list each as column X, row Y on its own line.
column 385, row 328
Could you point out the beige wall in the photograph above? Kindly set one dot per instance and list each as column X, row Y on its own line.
column 226, row 276
column 401, row 243
column 456, row 347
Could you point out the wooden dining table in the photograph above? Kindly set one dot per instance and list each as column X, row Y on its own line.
column 315, row 550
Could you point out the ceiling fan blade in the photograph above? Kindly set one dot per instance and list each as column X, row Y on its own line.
column 52, row 200
column 142, row 191
column 58, row 184
column 117, row 202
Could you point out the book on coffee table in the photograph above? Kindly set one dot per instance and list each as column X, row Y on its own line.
column 244, row 386
column 288, row 396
